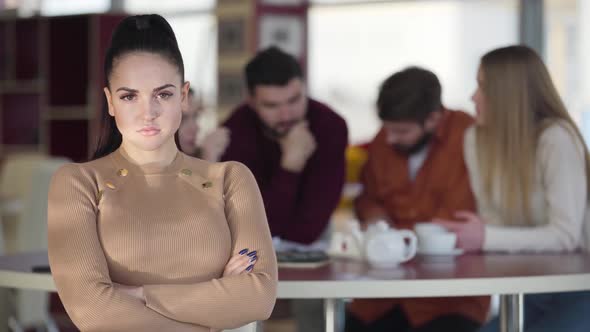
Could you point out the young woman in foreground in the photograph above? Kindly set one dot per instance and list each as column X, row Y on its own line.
column 144, row 237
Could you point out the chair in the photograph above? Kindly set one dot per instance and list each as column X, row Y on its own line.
column 15, row 181
column 31, row 232
column 28, row 179
column 15, row 184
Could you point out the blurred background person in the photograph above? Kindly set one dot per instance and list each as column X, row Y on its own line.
column 209, row 146
column 295, row 147
column 415, row 172
column 529, row 170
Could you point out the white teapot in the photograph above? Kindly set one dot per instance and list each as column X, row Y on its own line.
column 386, row 247
column 381, row 245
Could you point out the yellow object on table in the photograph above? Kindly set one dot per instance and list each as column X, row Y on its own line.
column 356, row 157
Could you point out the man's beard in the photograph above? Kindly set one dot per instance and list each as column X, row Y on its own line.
column 280, row 130
column 418, row 146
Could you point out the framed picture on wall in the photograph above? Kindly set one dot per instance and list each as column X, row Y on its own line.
column 285, row 31
column 232, row 35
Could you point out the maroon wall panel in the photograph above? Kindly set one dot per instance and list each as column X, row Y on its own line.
column 20, row 119
column 69, row 138
column 27, row 49
column 68, row 60
column 3, row 50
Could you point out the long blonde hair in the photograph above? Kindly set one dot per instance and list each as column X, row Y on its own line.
column 520, row 102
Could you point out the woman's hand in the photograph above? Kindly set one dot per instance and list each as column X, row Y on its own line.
column 135, row 291
column 470, row 230
column 243, row 262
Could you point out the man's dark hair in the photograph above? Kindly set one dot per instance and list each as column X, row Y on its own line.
column 409, row 95
column 271, row 66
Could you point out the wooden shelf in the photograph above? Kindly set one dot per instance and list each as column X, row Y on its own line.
column 22, row 86
column 8, row 149
column 84, row 112
column 14, row 148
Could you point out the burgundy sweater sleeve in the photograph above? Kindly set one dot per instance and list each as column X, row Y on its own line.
column 299, row 206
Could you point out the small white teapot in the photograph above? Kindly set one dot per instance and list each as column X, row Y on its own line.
column 386, row 247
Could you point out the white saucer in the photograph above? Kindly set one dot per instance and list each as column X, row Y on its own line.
column 454, row 252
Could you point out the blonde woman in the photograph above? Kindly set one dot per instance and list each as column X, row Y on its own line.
column 528, row 168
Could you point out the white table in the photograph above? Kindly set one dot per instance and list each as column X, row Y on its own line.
column 511, row 276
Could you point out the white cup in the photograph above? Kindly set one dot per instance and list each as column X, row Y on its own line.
column 425, row 228
column 437, row 242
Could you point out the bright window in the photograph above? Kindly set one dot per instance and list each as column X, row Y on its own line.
column 567, row 52
column 353, row 48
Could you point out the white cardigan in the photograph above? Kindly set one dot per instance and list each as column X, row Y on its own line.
column 559, row 201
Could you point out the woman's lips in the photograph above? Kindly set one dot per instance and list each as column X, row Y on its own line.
column 149, row 131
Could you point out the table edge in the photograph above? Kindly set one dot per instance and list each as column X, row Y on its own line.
column 373, row 288
column 433, row 287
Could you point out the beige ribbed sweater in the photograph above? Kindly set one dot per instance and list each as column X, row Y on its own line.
column 170, row 229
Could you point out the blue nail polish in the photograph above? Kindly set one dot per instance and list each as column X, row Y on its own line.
column 243, row 251
column 252, row 253
column 249, row 268
column 253, row 259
